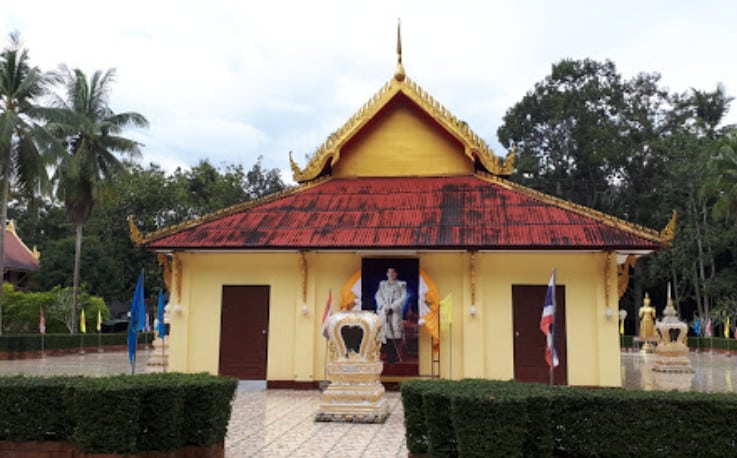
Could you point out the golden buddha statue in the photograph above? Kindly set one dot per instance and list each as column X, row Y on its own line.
column 647, row 324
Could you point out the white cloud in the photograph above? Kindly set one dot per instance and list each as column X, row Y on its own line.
column 230, row 80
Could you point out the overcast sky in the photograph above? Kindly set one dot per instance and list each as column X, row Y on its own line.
column 232, row 80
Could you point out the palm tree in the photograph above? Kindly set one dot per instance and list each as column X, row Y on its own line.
column 21, row 160
column 91, row 131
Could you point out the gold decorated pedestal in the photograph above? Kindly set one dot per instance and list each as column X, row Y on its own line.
column 672, row 351
column 355, row 393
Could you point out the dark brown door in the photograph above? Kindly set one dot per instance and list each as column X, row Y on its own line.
column 244, row 325
column 530, row 342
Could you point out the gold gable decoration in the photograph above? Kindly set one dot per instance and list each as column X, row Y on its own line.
column 669, row 231
column 135, row 233
column 474, row 146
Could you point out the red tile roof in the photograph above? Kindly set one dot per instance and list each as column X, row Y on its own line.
column 17, row 255
column 459, row 212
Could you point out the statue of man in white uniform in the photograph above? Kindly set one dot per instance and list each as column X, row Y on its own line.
column 390, row 298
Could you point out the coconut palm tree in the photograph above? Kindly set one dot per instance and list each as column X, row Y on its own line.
column 21, row 160
column 82, row 118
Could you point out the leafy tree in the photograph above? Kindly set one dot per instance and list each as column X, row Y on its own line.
column 630, row 148
column 91, row 132
column 565, row 131
column 723, row 168
column 156, row 199
column 62, row 308
column 21, row 160
column 23, row 309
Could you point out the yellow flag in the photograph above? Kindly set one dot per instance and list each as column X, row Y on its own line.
column 82, row 323
column 726, row 328
column 99, row 321
column 446, row 311
column 621, row 327
column 347, row 295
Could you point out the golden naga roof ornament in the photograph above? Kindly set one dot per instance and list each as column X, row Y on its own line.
column 399, row 73
column 135, row 234
column 296, row 170
column 669, row 231
column 506, row 168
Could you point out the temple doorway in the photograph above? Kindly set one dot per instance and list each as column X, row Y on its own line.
column 529, row 341
column 244, row 325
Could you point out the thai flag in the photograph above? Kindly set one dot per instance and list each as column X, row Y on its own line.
column 547, row 323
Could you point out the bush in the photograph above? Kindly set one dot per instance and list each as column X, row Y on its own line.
column 208, row 410
column 119, row 414
column 509, row 419
column 35, row 408
column 441, row 437
column 704, row 343
column 414, row 416
column 21, row 309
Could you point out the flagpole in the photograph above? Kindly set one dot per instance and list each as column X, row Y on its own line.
column 43, row 354
column 553, row 353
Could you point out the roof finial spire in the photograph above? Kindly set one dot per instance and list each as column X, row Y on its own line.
column 399, row 72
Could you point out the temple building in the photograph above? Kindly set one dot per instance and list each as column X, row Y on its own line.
column 402, row 201
column 20, row 261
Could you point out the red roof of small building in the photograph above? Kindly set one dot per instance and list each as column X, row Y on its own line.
column 455, row 212
column 17, row 255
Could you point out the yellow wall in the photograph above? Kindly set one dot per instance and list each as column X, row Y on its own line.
column 402, row 141
column 480, row 346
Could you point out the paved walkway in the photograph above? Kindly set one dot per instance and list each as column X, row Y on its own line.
column 279, row 423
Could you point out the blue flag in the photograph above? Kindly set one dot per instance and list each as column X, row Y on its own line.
column 697, row 327
column 136, row 319
column 161, row 328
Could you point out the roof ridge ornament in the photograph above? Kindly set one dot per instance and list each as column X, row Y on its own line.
column 135, row 233
column 669, row 231
column 399, row 73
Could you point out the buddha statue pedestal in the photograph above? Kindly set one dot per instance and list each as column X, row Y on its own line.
column 158, row 359
column 355, row 393
column 672, row 351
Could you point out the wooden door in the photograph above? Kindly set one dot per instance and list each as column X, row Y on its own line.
column 530, row 342
column 244, row 326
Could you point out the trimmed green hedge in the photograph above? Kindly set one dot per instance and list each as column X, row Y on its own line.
column 32, row 342
column 704, row 343
column 483, row 418
column 120, row 414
